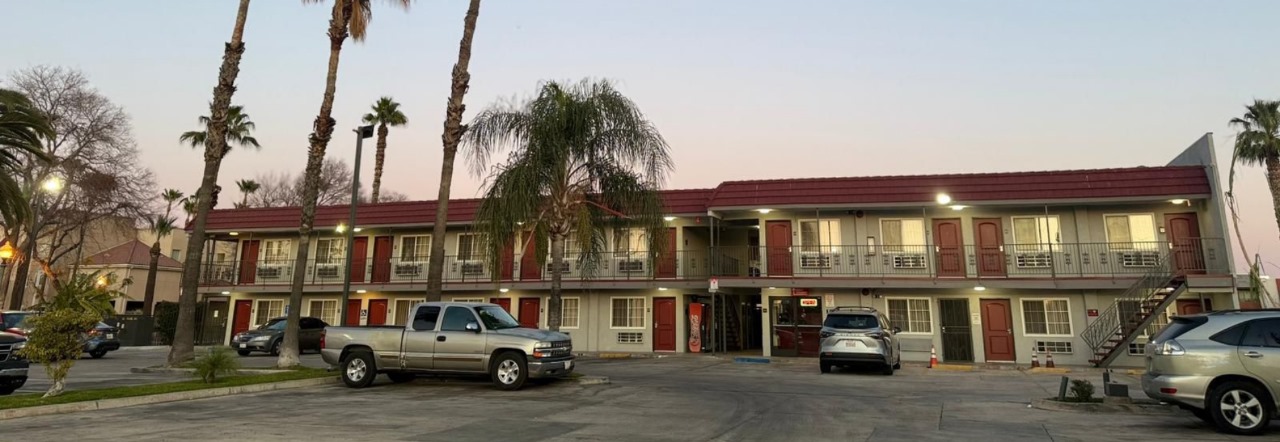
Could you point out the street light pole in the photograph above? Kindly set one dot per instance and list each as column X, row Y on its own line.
column 362, row 132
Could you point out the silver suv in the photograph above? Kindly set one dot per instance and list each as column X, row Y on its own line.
column 859, row 336
column 1224, row 367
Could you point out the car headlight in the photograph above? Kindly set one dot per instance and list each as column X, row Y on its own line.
column 542, row 345
column 19, row 346
column 260, row 338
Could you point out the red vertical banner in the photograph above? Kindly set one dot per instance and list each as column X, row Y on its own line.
column 695, row 328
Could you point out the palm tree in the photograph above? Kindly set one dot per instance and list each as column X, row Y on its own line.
column 247, row 187
column 215, row 150
column 239, row 131
column 386, row 113
column 453, row 130
column 161, row 226
column 1258, row 143
column 584, row 160
column 22, row 127
column 350, row 17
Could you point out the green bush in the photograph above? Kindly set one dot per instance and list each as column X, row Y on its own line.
column 1081, row 391
column 166, row 314
column 56, row 338
column 217, row 363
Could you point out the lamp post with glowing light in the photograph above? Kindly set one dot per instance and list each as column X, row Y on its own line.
column 6, row 254
column 362, row 132
column 50, row 186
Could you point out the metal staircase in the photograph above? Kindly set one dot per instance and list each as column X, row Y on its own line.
column 1133, row 313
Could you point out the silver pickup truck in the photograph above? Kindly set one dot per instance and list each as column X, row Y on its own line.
column 449, row 338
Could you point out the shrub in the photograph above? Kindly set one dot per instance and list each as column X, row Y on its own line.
column 55, row 341
column 166, row 320
column 218, row 362
column 1081, row 391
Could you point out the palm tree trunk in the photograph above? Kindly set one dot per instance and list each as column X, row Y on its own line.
column 452, row 135
column 1273, row 182
column 244, row 202
column 557, row 261
column 149, row 297
column 380, row 157
column 323, row 131
column 183, row 348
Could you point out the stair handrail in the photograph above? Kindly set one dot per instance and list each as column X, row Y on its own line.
column 1109, row 322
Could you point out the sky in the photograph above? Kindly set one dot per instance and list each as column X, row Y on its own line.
column 741, row 89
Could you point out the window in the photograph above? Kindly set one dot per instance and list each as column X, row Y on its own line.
column 330, row 251
column 631, row 338
column 902, row 235
column 820, row 236
column 326, row 310
column 1048, row 317
column 630, row 241
column 1036, row 233
column 403, row 307
column 468, row 299
column 1053, row 347
column 221, row 258
column 469, row 247
column 851, row 322
column 1131, row 232
column 627, row 313
column 1262, row 333
column 568, row 312
column 912, row 315
column 276, row 251
column 268, row 309
column 312, row 324
column 457, row 318
column 425, row 318
column 415, row 248
column 176, row 254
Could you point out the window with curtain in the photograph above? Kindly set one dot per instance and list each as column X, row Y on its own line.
column 912, row 315
column 630, row 241
column 627, row 313
column 415, row 248
column 330, row 251
column 326, row 310
column 1131, row 232
column 1036, row 233
column 268, row 309
column 469, row 247
column 568, row 312
column 819, row 236
column 1046, row 317
column 902, row 235
column 276, row 251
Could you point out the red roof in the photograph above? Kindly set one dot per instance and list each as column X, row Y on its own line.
column 923, row 189
column 1136, row 182
column 131, row 253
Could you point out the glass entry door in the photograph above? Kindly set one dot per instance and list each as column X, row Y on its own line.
column 796, row 322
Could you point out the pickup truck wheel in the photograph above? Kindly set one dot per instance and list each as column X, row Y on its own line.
column 97, row 354
column 357, row 369
column 242, row 352
column 510, row 371
column 401, row 378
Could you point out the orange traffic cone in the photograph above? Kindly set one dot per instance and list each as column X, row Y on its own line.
column 933, row 356
column 1035, row 358
column 1048, row 361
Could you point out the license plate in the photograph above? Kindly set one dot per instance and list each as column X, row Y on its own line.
column 850, row 343
column 244, row 345
column 568, row 365
column 111, row 336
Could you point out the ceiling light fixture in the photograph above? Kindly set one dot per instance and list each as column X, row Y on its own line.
column 669, row 218
column 226, row 293
column 944, row 199
column 980, row 288
column 1179, row 201
column 234, row 233
column 504, row 290
column 764, row 211
column 958, row 207
column 362, row 291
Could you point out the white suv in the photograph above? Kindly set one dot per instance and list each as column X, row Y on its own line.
column 859, row 336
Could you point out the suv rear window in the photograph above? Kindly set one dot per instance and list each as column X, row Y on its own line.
column 1179, row 326
column 851, row 321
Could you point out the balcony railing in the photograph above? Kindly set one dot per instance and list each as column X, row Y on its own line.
column 674, row 265
column 1057, row 260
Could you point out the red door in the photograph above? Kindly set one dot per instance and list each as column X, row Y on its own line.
column 353, row 312
column 997, row 330
column 1193, row 306
column 664, row 324
column 382, row 259
column 529, row 312
column 667, row 260
column 508, row 261
column 377, row 311
column 990, row 233
column 1184, row 242
column 359, row 258
column 244, row 312
column 248, row 261
column 778, row 235
column 947, row 242
column 505, row 303
column 529, row 269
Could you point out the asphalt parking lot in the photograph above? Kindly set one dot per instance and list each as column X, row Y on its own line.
column 669, row 399
column 114, row 369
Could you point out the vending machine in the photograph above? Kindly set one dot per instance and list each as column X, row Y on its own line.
column 699, row 331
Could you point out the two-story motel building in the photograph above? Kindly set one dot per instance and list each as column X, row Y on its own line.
column 984, row 267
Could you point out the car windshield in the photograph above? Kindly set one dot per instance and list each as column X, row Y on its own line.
column 495, row 318
column 15, row 320
column 851, row 321
column 275, row 324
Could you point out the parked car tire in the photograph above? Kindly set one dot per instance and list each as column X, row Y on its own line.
column 358, row 369
column 242, row 352
column 12, row 385
column 897, row 365
column 401, row 377
column 97, row 354
column 275, row 348
column 887, row 370
column 1240, row 408
column 509, row 370
column 824, row 366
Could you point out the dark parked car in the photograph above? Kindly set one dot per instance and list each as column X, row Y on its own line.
column 100, row 340
column 13, row 369
column 12, row 321
column 268, row 336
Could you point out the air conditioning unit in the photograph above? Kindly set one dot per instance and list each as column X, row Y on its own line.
column 815, row 260
column 629, row 265
column 564, row 267
column 270, row 272
column 909, row 262
column 408, row 270
column 472, row 267
column 1144, row 258
column 328, row 271
column 1038, row 260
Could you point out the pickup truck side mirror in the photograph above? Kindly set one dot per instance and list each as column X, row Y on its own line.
column 473, row 326
column 897, row 330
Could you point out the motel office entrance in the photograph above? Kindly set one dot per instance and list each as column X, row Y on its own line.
column 796, row 323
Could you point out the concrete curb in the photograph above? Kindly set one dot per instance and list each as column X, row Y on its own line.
column 192, row 371
column 107, row 404
column 592, row 380
column 953, row 367
column 1100, row 407
column 1047, row 370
